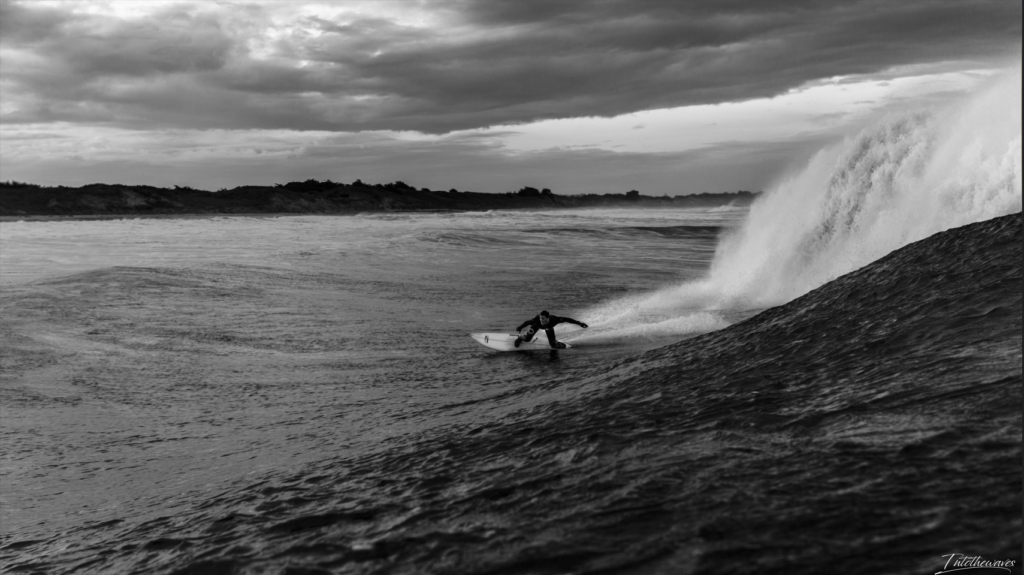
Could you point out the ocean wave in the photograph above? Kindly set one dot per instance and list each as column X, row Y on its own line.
column 822, row 422
column 898, row 181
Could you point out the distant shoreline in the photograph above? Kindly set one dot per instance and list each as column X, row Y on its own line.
column 177, row 216
column 271, row 215
column 28, row 202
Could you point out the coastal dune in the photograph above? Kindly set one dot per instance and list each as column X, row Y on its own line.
column 870, row 425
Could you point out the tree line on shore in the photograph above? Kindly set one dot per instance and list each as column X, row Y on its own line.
column 309, row 196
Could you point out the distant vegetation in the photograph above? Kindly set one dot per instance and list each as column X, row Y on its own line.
column 309, row 196
column 14, row 184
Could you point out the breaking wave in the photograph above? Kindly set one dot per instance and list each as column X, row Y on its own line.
column 896, row 182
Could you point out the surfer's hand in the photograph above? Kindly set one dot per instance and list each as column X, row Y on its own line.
column 583, row 325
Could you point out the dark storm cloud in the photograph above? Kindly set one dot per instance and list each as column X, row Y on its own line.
column 494, row 62
column 172, row 41
column 63, row 67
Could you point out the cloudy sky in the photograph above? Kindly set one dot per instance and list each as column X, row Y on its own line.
column 668, row 97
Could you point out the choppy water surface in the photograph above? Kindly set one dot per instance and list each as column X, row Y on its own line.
column 268, row 418
column 172, row 358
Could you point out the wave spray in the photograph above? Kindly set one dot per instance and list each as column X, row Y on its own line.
column 901, row 180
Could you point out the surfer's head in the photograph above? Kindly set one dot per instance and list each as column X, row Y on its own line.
column 545, row 317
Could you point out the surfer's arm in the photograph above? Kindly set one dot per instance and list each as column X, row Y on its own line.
column 577, row 322
column 524, row 324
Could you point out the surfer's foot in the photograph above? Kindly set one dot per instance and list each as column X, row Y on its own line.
column 559, row 345
column 518, row 341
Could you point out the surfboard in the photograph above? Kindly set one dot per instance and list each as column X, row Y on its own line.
column 506, row 342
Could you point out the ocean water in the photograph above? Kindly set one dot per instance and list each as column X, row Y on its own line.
column 184, row 355
column 298, row 394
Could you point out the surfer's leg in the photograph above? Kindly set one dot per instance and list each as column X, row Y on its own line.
column 551, row 338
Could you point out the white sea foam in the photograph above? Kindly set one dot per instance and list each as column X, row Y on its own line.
column 894, row 183
column 901, row 180
column 654, row 329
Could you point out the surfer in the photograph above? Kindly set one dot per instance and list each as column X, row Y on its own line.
column 547, row 322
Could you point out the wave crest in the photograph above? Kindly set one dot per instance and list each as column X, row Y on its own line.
column 902, row 180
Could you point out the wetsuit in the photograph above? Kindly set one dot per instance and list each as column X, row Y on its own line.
column 553, row 320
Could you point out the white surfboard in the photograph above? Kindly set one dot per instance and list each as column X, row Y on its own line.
column 506, row 341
